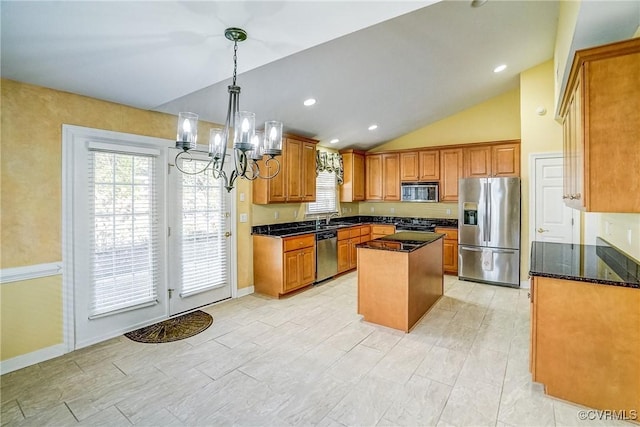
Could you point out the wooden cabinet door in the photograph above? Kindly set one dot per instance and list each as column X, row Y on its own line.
column 344, row 252
column 353, row 256
column 278, row 184
column 373, row 172
column 505, row 160
column 291, row 270
column 308, row 172
column 449, row 256
column 307, row 266
column 391, row 177
column 358, row 178
column 477, row 162
column 294, row 166
column 429, row 165
column 409, row 166
column 450, row 172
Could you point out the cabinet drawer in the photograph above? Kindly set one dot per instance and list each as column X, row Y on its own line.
column 299, row 242
column 383, row 229
column 365, row 229
column 344, row 234
column 450, row 233
column 354, row 232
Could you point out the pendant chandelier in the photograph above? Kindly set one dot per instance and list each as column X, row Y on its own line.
column 249, row 146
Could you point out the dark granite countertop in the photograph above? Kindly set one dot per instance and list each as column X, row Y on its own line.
column 404, row 241
column 600, row 264
column 307, row 227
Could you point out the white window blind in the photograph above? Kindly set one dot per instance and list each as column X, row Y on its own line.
column 204, row 245
column 326, row 196
column 124, row 230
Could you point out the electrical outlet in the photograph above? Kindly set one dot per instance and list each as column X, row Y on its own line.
column 393, row 210
column 629, row 236
column 373, row 209
column 276, row 215
column 242, row 197
column 295, row 214
column 448, row 211
column 243, row 217
column 349, row 210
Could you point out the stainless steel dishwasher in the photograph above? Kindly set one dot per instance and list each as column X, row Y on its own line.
column 326, row 254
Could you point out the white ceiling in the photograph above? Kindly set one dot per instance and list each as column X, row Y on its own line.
column 400, row 64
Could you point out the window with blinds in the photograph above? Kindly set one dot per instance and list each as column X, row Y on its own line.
column 326, row 195
column 203, row 243
column 124, row 231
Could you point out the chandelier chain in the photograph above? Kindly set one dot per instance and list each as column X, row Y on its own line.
column 235, row 61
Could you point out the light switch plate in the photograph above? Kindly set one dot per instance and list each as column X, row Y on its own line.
column 243, row 217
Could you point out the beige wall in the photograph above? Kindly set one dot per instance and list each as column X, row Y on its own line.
column 540, row 134
column 31, row 315
column 409, row 210
column 493, row 120
column 567, row 20
column 621, row 230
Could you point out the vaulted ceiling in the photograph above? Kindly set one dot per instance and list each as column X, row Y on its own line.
column 401, row 65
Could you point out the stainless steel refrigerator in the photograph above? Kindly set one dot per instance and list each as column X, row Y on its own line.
column 489, row 230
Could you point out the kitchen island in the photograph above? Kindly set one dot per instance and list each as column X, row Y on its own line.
column 585, row 324
column 400, row 277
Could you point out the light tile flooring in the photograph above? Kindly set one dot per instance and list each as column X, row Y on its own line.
column 305, row 360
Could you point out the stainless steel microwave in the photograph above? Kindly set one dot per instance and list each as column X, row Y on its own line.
column 419, row 191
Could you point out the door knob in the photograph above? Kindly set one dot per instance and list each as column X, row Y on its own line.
column 541, row 230
column 227, row 234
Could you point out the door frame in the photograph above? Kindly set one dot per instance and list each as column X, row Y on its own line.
column 533, row 179
column 69, row 132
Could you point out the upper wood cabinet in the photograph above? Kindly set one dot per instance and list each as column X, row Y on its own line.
column 600, row 113
column 492, row 160
column 450, row 172
column 420, row 165
column 373, row 173
column 353, row 188
column 296, row 181
column 391, row 177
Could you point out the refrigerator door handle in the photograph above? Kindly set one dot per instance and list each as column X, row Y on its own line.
column 488, row 211
column 502, row 251
column 466, row 248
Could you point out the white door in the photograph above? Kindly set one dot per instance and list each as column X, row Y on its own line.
column 118, row 243
column 199, row 238
column 553, row 221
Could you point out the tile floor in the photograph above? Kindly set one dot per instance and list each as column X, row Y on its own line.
column 305, row 360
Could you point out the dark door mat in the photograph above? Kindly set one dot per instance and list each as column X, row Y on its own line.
column 174, row 329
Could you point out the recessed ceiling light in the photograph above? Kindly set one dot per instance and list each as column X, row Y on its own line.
column 334, row 141
column 499, row 68
column 309, row 102
column 373, row 127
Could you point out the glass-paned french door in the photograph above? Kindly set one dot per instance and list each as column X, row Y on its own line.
column 143, row 241
column 198, row 239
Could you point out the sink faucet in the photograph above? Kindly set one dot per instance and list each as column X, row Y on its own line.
column 328, row 218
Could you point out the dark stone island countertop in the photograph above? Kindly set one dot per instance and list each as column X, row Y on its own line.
column 306, row 227
column 403, row 241
column 601, row 264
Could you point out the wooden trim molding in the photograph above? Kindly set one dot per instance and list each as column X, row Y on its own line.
column 446, row 147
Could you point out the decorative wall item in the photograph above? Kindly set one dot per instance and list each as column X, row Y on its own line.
column 330, row 162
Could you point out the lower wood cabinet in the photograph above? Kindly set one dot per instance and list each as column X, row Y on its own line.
column 584, row 343
column 381, row 230
column 282, row 265
column 450, row 250
column 348, row 240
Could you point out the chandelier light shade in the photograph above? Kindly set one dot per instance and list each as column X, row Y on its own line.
column 249, row 146
column 187, row 137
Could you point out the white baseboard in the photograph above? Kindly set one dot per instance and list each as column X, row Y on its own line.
column 244, row 291
column 32, row 358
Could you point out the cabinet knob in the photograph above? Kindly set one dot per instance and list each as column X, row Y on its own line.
column 577, row 196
